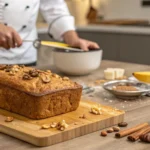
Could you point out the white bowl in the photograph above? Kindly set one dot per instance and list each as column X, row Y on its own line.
column 77, row 63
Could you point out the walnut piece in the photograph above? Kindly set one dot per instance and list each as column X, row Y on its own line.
column 53, row 125
column 83, row 116
column 26, row 77
column 9, row 119
column 45, row 78
column 110, row 130
column 103, row 133
column 33, row 73
column 62, row 125
column 48, row 71
column 46, row 126
column 2, row 67
column 97, row 110
column 65, row 78
column 11, row 73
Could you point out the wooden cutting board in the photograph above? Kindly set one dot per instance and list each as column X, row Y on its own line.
column 30, row 130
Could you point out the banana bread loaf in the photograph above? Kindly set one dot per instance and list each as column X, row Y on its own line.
column 37, row 94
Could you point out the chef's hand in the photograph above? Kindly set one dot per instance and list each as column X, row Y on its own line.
column 9, row 38
column 73, row 40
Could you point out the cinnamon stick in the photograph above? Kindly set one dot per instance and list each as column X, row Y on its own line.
column 135, row 136
column 131, row 130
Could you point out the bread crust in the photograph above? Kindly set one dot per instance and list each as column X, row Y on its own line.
column 34, row 98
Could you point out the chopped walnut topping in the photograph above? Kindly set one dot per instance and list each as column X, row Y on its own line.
column 96, row 110
column 65, row 78
column 9, row 119
column 26, row 77
column 15, row 69
column 11, row 68
column 11, row 73
column 34, row 73
column 48, row 71
column 22, row 66
column 7, row 69
column 45, row 78
column 45, row 126
column 56, row 76
column 2, row 67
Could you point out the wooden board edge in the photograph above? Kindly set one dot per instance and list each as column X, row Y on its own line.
column 47, row 141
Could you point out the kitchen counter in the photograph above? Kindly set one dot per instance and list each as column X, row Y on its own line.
column 145, row 30
column 137, row 111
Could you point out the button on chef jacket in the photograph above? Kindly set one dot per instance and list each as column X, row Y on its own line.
column 22, row 16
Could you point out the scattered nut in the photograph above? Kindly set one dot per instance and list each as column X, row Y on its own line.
column 145, row 137
column 53, row 125
column 45, row 126
column 45, row 78
column 9, row 119
column 83, row 116
column 75, row 123
column 116, row 129
column 110, row 130
column 33, row 73
column 96, row 110
column 62, row 128
column 26, row 77
column 103, row 133
column 62, row 125
column 122, row 124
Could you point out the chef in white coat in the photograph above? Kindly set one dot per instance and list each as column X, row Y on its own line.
column 18, row 23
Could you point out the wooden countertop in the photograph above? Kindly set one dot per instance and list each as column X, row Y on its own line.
column 137, row 111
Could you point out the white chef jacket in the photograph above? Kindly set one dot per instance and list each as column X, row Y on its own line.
column 22, row 16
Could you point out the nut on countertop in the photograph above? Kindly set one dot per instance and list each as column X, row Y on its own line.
column 103, row 133
column 116, row 129
column 110, row 130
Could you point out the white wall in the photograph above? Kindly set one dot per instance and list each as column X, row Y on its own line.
column 126, row 9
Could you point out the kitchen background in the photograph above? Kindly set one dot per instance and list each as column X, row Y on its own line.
column 121, row 27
